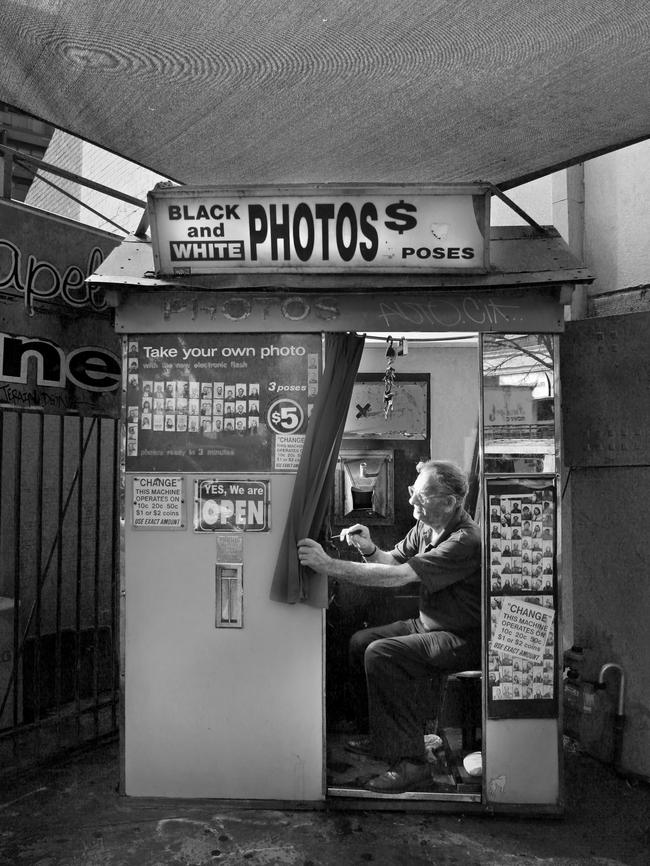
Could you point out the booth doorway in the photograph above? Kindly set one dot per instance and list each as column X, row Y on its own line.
column 434, row 414
column 491, row 408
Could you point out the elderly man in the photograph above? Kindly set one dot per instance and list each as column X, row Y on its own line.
column 442, row 552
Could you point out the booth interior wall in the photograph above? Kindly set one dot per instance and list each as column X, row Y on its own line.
column 452, row 371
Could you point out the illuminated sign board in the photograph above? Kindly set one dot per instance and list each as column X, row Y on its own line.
column 319, row 229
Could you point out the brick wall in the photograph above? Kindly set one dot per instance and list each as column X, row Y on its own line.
column 92, row 163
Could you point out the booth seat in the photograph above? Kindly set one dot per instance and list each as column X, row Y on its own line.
column 459, row 706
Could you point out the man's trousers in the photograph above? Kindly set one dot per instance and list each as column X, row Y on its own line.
column 404, row 665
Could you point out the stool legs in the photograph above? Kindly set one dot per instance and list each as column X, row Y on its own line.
column 468, row 689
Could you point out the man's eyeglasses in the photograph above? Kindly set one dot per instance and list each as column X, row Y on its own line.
column 421, row 497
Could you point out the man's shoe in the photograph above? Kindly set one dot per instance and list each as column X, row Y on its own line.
column 401, row 777
column 360, row 746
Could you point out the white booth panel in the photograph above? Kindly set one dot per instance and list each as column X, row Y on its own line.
column 229, row 712
column 522, row 761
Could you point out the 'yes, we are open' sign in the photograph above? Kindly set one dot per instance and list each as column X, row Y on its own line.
column 231, row 506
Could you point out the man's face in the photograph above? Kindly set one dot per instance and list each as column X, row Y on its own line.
column 430, row 504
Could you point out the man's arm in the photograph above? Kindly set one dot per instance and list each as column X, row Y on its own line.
column 380, row 569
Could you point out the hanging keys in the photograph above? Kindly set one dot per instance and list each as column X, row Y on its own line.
column 389, row 377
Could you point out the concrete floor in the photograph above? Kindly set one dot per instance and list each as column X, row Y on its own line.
column 70, row 814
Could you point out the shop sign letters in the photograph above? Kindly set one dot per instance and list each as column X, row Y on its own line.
column 89, row 367
column 311, row 229
column 41, row 280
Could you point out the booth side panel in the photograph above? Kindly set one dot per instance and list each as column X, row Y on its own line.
column 225, row 713
column 521, row 762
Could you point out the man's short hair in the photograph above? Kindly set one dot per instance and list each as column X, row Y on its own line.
column 449, row 478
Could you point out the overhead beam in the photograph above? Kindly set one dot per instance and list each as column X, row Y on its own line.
column 61, row 172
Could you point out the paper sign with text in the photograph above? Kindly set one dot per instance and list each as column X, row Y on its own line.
column 522, row 629
column 224, row 505
column 158, row 502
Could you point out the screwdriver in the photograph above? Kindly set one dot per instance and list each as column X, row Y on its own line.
column 338, row 537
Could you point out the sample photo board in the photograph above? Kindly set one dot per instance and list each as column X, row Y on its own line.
column 219, row 402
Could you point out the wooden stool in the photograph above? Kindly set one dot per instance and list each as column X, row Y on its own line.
column 465, row 688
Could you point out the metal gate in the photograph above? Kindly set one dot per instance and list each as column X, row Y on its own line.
column 59, row 579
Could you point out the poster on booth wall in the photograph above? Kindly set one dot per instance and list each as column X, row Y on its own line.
column 522, row 628
column 522, row 583
column 522, row 539
column 219, row 402
column 521, row 661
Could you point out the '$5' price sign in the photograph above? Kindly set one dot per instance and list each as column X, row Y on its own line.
column 285, row 416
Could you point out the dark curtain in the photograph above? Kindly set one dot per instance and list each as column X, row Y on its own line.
column 315, row 476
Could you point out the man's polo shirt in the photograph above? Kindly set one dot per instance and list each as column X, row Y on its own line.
column 449, row 572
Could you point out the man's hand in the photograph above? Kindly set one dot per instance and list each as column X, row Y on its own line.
column 358, row 536
column 385, row 573
column 311, row 554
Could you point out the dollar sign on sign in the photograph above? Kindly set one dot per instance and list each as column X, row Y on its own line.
column 401, row 211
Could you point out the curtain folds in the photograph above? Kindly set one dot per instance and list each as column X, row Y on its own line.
column 315, row 477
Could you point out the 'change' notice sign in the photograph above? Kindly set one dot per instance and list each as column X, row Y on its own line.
column 522, row 629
